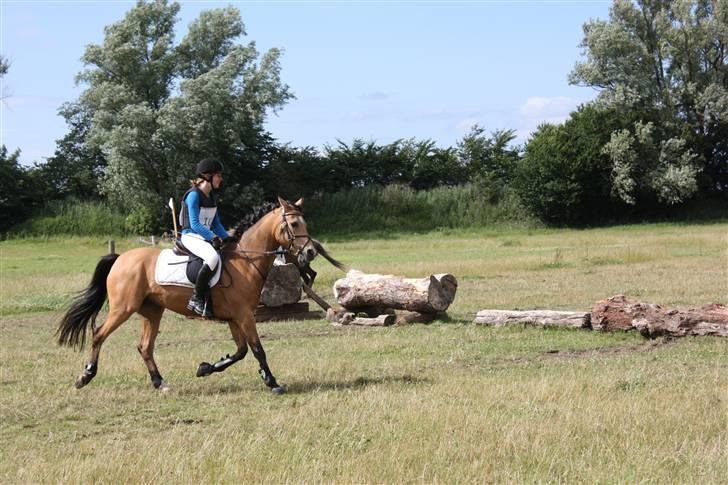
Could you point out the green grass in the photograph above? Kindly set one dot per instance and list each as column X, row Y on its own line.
column 446, row 402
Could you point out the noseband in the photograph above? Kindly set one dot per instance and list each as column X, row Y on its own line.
column 292, row 236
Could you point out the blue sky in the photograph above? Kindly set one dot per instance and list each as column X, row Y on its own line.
column 369, row 69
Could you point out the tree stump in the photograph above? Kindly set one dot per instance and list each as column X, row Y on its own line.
column 424, row 295
column 651, row 320
column 282, row 287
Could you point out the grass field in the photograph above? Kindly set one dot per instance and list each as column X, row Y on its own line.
column 445, row 402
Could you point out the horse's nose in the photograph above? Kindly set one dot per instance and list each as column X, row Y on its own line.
column 310, row 254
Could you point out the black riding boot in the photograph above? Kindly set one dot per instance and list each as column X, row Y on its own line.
column 197, row 301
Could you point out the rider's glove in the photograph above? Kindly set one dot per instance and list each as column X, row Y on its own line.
column 216, row 242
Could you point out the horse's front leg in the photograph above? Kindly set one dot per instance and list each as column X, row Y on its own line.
column 205, row 368
column 251, row 334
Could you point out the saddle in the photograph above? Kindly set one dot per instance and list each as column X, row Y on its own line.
column 179, row 267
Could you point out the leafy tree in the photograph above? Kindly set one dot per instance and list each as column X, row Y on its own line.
column 565, row 176
column 156, row 108
column 75, row 168
column 18, row 190
column 489, row 160
column 668, row 58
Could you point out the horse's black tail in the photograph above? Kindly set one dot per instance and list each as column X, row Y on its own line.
column 320, row 250
column 86, row 306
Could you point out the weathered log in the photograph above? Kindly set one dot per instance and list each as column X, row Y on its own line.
column 425, row 295
column 380, row 321
column 282, row 286
column 544, row 318
column 652, row 320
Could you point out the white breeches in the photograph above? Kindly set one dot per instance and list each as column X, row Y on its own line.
column 197, row 245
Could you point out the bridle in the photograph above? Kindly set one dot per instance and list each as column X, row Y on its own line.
column 291, row 236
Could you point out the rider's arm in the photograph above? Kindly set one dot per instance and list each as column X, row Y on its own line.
column 217, row 226
column 193, row 210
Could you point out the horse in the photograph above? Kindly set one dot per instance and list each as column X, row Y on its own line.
column 128, row 281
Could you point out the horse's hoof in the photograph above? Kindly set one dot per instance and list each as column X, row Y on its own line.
column 164, row 388
column 81, row 381
column 205, row 369
column 278, row 390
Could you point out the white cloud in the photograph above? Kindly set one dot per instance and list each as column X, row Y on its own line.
column 464, row 125
column 539, row 108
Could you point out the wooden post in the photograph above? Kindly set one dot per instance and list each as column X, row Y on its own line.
column 112, row 247
column 154, row 240
column 312, row 294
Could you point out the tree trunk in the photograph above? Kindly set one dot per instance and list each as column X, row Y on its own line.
column 651, row 320
column 424, row 295
column 545, row 318
column 282, row 286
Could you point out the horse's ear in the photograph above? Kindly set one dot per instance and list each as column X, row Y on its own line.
column 299, row 203
column 282, row 202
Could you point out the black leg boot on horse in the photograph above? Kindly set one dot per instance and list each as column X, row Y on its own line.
column 200, row 301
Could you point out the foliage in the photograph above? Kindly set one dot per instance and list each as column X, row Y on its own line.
column 156, row 108
column 140, row 221
column 668, row 58
column 565, row 175
column 72, row 217
column 19, row 190
column 75, row 168
column 490, row 161
column 401, row 208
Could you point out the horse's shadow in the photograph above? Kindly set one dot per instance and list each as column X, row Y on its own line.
column 358, row 383
column 306, row 387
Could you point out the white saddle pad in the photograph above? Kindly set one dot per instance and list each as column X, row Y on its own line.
column 172, row 270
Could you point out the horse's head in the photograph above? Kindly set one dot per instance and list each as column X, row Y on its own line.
column 292, row 232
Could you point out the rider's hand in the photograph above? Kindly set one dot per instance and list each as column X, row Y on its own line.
column 216, row 242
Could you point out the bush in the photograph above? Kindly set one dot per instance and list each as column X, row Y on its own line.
column 401, row 208
column 72, row 217
column 140, row 221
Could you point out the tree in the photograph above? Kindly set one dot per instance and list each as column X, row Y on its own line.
column 565, row 176
column 18, row 190
column 75, row 168
column 155, row 109
column 488, row 160
column 667, row 58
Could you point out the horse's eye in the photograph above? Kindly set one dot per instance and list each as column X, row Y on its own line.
column 294, row 224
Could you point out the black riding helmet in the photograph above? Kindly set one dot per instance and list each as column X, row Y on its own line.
column 209, row 165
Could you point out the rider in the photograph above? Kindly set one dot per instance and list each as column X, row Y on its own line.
column 202, row 231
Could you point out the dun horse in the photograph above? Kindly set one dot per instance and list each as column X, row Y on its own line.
column 129, row 282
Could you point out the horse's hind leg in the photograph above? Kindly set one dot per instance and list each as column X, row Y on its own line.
column 151, row 318
column 116, row 317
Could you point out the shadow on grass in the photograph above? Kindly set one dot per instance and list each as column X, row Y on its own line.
column 358, row 383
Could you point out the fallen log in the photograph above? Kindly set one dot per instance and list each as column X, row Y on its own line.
column 544, row 318
column 424, row 295
column 652, row 320
column 351, row 319
column 282, row 286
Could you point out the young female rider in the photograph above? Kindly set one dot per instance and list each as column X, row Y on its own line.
column 202, row 231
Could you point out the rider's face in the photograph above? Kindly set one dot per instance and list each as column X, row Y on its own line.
column 216, row 180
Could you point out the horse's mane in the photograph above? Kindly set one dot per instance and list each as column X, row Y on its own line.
column 249, row 220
